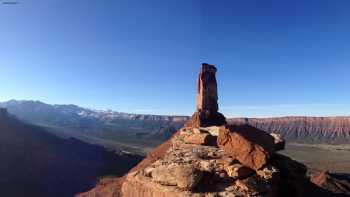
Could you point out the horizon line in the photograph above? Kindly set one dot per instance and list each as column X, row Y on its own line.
column 231, row 116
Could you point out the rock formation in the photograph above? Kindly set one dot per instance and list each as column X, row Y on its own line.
column 194, row 168
column 207, row 100
column 252, row 147
column 208, row 158
column 207, row 96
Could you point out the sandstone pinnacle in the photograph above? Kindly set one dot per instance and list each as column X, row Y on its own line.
column 207, row 99
column 207, row 96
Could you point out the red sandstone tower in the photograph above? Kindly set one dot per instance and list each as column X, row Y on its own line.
column 207, row 100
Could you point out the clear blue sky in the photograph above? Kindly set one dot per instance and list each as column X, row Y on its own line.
column 274, row 57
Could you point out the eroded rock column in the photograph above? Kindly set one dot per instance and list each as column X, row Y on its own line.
column 207, row 96
column 207, row 100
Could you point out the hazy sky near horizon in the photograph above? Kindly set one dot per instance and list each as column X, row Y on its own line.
column 274, row 58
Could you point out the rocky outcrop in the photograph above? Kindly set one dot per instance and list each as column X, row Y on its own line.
column 252, row 147
column 222, row 161
column 206, row 160
column 188, row 169
column 207, row 100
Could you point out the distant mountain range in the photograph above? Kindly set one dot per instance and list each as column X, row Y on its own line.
column 117, row 130
column 37, row 163
column 140, row 133
column 72, row 115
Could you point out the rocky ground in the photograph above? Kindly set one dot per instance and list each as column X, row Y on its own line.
column 190, row 164
column 194, row 166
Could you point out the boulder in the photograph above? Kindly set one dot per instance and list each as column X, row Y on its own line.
column 250, row 146
column 198, row 138
column 187, row 177
column 183, row 176
column 164, row 175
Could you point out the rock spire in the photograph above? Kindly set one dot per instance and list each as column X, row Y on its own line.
column 207, row 96
column 207, row 99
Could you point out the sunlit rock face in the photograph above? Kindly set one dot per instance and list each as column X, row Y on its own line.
column 207, row 100
column 251, row 146
column 207, row 96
